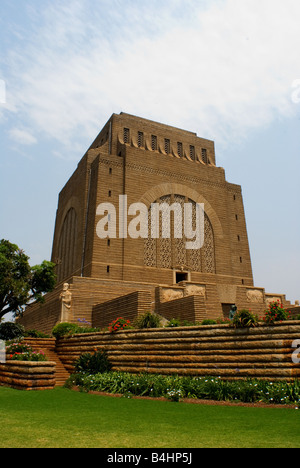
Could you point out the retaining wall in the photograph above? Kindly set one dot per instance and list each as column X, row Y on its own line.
column 23, row 375
column 132, row 306
column 263, row 352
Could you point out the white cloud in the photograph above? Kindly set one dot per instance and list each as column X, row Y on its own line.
column 22, row 136
column 218, row 68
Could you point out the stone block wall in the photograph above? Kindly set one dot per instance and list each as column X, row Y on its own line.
column 129, row 307
column 23, row 375
column 262, row 352
column 190, row 308
column 295, row 312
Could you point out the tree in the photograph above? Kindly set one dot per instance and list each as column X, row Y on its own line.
column 20, row 284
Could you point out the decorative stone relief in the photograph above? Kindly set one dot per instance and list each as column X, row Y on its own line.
column 195, row 290
column 170, row 294
column 255, row 295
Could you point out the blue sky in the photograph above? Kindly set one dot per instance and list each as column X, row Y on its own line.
column 226, row 69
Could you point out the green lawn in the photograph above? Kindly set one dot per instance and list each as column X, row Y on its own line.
column 62, row 418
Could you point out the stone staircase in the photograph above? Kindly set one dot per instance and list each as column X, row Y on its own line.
column 47, row 345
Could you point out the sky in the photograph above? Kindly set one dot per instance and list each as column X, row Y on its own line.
column 228, row 70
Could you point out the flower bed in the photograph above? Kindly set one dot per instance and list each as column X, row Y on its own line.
column 175, row 387
column 19, row 351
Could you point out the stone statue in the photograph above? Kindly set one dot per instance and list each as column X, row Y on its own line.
column 232, row 311
column 66, row 303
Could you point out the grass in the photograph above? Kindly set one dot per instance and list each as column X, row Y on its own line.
column 62, row 418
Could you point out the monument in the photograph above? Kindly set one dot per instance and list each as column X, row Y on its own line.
column 116, row 264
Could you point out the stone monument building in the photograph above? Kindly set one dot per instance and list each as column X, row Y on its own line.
column 99, row 277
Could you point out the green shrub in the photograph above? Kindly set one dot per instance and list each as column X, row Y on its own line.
column 175, row 387
column 32, row 356
column 181, row 323
column 35, row 334
column 11, row 330
column 275, row 313
column 65, row 329
column 173, row 323
column 208, row 322
column 148, row 320
column 17, row 347
column 96, row 363
column 86, row 327
column 119, row 324
column 244, row 319
column 19, row 351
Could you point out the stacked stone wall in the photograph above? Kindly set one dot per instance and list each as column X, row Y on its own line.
column 23, row 375
column 263, row 352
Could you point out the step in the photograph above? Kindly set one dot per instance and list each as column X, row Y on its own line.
column 61, row 373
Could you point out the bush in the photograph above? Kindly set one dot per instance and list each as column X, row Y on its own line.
column 275, row 313
column 19, row 351
column 119, row 324
column 244, row 319
column 17, row 347
column 148, row 320
column 65, row 329
column 173, row 323
column 35, row 334
column 209, row 322
column 175, row 387
column 10, row 331
column 181, row 323
column 96, row 363
column 31, row 356
column 86, row 327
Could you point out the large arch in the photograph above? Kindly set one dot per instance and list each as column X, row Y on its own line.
column 66, row 261
column 165, row 189
column 171, row 252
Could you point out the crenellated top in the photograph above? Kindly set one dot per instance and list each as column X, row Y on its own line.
column 146, row 135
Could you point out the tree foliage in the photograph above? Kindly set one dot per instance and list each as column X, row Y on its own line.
column 20, row 283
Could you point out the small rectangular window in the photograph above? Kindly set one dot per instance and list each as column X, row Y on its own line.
column 140, row 139
column 179, row 149
column 167, row 146
column 192, row 152
column 204, row 155
column 154, row 142
column 126, row 135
